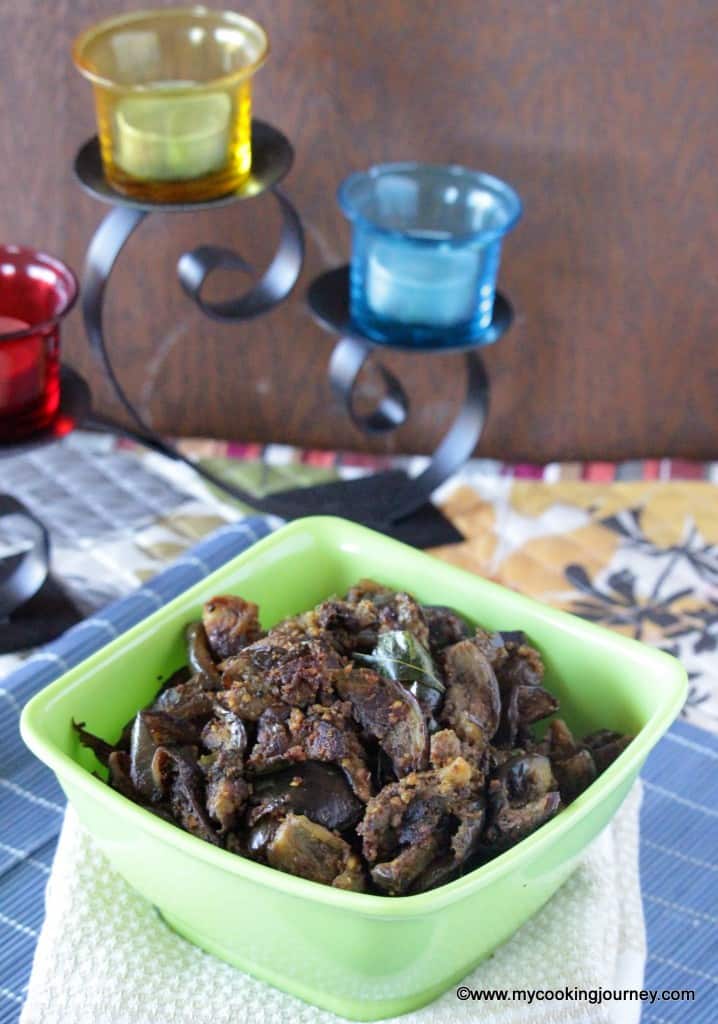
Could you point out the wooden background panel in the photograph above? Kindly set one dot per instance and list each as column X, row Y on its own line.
column 602, row 115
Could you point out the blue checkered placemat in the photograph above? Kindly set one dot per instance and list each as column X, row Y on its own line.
column 31, row 801
column 679, row 818
column 679, row 873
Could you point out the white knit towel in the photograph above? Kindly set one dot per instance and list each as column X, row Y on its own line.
column 105, row 957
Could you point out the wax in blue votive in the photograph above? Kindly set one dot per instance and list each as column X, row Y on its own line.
column 426, row 251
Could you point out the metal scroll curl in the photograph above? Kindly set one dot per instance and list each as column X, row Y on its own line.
column 193, row 270
column 328, row 298
column 272, row 288
column 349, row 357
column 347, row 361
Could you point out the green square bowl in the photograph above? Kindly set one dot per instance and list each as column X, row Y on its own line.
column 361, row 956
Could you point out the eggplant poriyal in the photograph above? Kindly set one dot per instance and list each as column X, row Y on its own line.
column 372, row 743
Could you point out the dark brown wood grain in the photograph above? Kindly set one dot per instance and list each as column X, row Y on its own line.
column 603, row 115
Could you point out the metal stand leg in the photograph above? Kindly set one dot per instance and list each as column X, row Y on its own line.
column 193, row 269
column 348, row 358
column 394, row 502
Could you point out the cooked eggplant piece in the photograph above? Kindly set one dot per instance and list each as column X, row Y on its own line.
column 318, row 791
column 322, row 734
column 525, row 777
column 177, row 775
column 301, row 847
column 225, row 731
column 519, row 664
column 472, row 704
column 273, row 737
column 605, row 746
column 407, row 813
column 119, row 766
column 227, row 790
column 521, row 707
column 249, row 688
column 446, row 627
column 327, row 734
column 427, row 862
column 119, row 779
column 533, row 704
column 442, row 870
column 519, row 671
column 507, row 733
column 574, row 774
column 561, row 743
column 395, row 877
column 279, row 669
column 354, row 618
column 396, row 610
column 153, row 729
column 522, row 797
column 492, row 646
column 352, row 626
column 403, row 614
column 369, row 590
column 513, row 659
column 352, row 877
column 412, row 822
column 472, row 819
column 379, row 762
column 464, row 845
column 400, row 656
column 200, row 657
column 445, row 747
column 230, row 624
column 186, row 700
column 509, row 825
column 572, row 764
column 261, row 835
column 226, row 798
column 389, row 713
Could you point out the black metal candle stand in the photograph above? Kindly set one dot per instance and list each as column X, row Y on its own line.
column 392, row 501
column 399, row 501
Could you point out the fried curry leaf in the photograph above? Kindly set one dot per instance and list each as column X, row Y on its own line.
column 400, row 656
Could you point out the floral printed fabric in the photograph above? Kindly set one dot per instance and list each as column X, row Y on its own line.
column 638, row 557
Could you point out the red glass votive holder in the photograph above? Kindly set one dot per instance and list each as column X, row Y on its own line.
column 36, row 292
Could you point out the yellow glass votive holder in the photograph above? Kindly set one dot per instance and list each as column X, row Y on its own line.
column 173, row 95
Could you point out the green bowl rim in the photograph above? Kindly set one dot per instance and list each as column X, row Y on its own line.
column 325, row 528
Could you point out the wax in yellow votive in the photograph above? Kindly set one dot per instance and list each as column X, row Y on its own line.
column 172, row 137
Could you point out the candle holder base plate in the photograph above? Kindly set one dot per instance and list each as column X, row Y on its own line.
column 272, row 157
column 328, row 298
column 74, row 407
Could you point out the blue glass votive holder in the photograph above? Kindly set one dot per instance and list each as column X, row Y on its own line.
column 426, row 249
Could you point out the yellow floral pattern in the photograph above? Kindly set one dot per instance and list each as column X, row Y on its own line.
column 638, row 557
